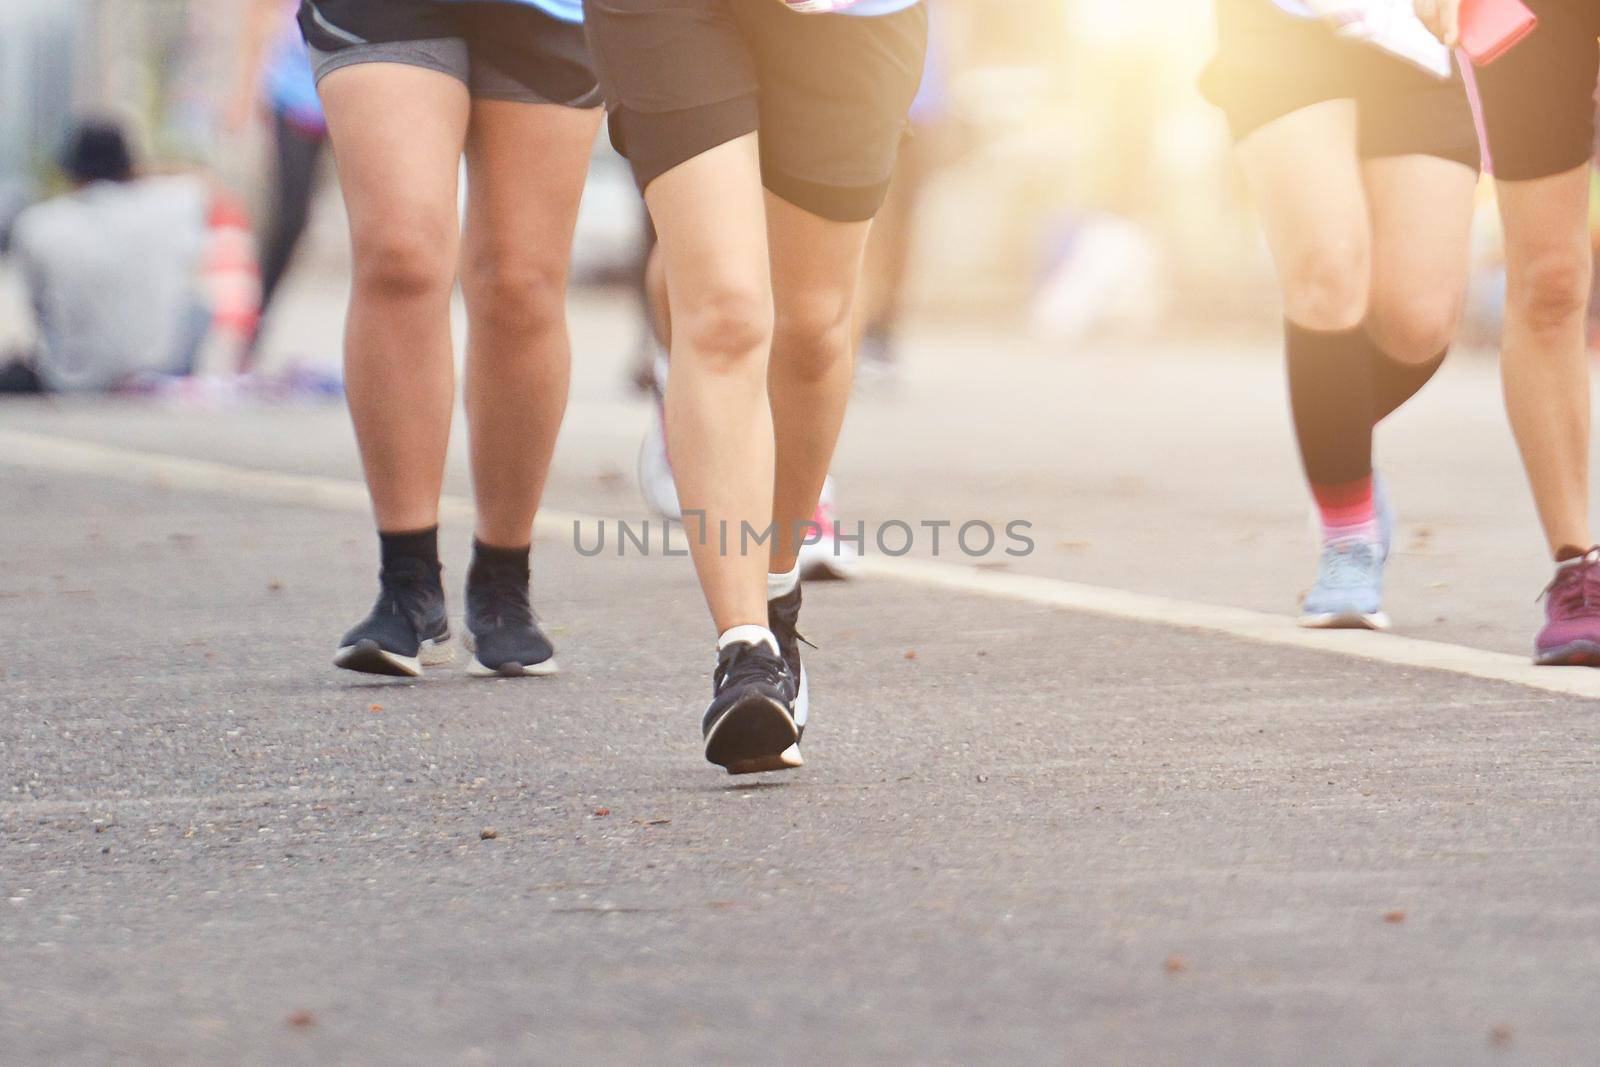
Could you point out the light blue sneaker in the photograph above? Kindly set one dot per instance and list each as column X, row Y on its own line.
column 1385, row 513
column 1348, row 594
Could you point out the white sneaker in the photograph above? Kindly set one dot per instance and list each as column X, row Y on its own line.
column 829, row 558
column 655, row 468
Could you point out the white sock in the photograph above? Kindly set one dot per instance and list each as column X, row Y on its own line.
column 783, row 584
column 750, row 635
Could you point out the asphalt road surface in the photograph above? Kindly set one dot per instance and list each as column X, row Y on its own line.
column 1026, row 832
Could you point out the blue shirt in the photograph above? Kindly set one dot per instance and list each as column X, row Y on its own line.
column 287, row 81
column 933, row 98
column 880, row 7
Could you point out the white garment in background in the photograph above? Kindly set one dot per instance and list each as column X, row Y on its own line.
column 1391, row 25
column 113, row 272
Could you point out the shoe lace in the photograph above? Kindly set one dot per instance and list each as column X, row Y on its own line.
column 785, row 623
column 750, row 664
column 501, row 595
column 1575, row 590
column 1348, row 563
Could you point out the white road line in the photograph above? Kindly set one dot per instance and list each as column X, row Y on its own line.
column 40, row 452
column 1244, row 624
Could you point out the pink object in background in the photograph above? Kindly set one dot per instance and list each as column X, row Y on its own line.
column 1491, row 28
column 1471, row 79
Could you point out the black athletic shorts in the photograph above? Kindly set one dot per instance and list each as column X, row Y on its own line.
column 1538, row 98
column 500, row 51
column 829, row 94
column 1270, row 64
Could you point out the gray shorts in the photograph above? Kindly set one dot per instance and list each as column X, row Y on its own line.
column 498, row 51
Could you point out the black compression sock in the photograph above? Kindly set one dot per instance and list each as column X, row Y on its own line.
column 1330, row 397
column 411, row 544
column 499, row 558
column 1394, row 382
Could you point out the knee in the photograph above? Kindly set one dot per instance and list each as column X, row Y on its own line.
column 812, row 334
column 728, row 328
column 1326, row 288
column 403, row 263
column 1552, row 292
column 1414, row 328
column 515, row 294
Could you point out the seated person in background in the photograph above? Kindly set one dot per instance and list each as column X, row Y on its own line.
column 113, row 270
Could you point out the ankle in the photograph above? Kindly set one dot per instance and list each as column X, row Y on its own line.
column 1348, row 510
column 748, row 634
column 784, row 583
column 484, row 552
column 416, row 545
column 1569, row 553
column 491, row 563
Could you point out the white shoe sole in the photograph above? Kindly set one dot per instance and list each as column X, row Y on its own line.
column 787, row 760
column 753, row 736
column 478, row 669
column 365, row 657
column 1346, row 620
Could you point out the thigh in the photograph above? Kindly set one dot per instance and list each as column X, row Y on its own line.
column 526, row 165
column 816, row 265
column 836, row 94
column 1421, row 208
column 1538, row 99
column 1305, row 176
column 710, row 220
column 1545, row 220
column 397, row 133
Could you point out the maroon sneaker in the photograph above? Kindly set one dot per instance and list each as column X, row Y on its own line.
column 1571, row 634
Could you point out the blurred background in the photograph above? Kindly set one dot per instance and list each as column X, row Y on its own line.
column 1052, row 135
column 1065, row 180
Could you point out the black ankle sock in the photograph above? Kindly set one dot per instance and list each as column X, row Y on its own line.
column 411, row 544
column 1394, row 382
column 1330, row 397
column 490, row 556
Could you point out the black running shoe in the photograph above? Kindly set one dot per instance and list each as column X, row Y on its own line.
column 783, row 619
column 501, row 630
column 750, row 726
column 408, row 628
